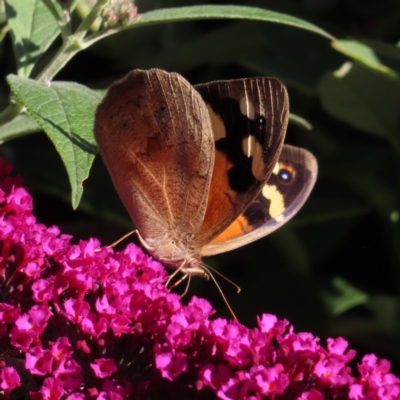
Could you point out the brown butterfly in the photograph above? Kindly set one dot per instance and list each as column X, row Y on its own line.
column 201, row 170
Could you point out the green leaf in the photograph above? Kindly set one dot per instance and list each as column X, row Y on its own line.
column 346, row 297
column 299, row 59
column 387, row 50
column 362, row 53
column 365, row 99
column 65, row 111
column 3, row 17
column 22, row 125
column 226, row 12
column 33, row 29
column 232, row 45
column 299, row 121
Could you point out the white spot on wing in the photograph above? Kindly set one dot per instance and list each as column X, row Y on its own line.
column 217, row 125
column 276, row 169
column 251, row 148
column 246, row 106
column 247, row 145
column 277, row 202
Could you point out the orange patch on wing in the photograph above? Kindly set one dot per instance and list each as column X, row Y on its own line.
column 219, row 205
column 238, row 228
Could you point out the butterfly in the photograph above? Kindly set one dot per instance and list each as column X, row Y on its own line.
column 201, row 170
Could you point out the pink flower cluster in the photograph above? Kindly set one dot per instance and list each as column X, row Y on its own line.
column 85, row 322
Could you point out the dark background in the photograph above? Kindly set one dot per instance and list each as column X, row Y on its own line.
column 335, row 268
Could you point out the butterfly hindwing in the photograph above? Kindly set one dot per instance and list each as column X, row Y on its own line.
column 280, row 199
column 249, row 119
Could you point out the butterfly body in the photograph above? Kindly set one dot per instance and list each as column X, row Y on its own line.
column 192, row 164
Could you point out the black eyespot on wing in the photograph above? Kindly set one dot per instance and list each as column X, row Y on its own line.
column 261, row 120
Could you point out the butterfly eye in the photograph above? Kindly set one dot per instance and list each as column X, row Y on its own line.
column 285, row 175
column 190, row 237
column 261, row 120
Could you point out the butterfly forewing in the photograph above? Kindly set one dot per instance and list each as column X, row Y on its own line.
column 280, row 199
column 249, row 120
column 155, row 137
column 200, row 170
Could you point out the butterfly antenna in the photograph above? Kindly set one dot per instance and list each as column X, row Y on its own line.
column 208, row 270
column 187, row 285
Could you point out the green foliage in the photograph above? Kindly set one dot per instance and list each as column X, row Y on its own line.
column 29, row 42
column 21, row 125
column 345, row 298
column 335, row 268
column 65, row 111
column 225, row 12
column 33, row 29
column 366, row 54
column 365, row 99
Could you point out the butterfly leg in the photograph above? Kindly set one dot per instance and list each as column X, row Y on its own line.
column 175, row 272
column 121, row 239
column 188, row 277
column 124, row 237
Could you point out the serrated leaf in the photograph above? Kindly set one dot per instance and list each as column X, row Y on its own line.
column 65, row 111
column 226, row 12
column 362, row 53
column 33, row 29
column 22, row 125
column 363, row 98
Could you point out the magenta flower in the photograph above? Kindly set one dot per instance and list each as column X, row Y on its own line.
column 103, row 367
column 39, row 361
column 85, row 322
column 9, row 379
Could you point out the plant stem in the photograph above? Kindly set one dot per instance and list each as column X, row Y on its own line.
column 72, row 44
column 63, row 55
column 96, row 36
column 89, row 20
column 61, row 21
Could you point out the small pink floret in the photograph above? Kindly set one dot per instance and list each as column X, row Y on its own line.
column 86, row 322
column 9, row 379
column 39, row 361
column 103, row 367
